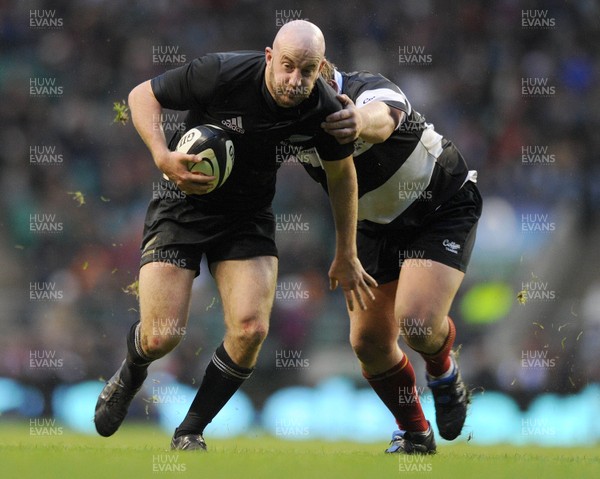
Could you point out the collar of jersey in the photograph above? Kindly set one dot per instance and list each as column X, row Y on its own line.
column 339, row 80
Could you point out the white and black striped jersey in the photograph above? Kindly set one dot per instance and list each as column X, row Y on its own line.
column 407, row 176
column 229, row 90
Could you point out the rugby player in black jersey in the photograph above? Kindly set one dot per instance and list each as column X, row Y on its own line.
column 418, row 212
column 263, row 100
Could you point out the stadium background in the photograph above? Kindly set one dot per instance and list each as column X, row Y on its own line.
column 513, row 84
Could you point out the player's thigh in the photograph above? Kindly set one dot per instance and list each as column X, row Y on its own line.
column 376, row 324
column 428, row 283
column 165, row 292
column 425, row 291
column 247, row 289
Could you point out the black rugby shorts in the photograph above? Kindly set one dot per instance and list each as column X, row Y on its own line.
column 446, row 236
column 177, row 232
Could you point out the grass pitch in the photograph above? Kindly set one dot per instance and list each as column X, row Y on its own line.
column 142, row 452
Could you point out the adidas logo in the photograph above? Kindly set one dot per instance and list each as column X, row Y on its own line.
column 451, row 246
column 234, row 124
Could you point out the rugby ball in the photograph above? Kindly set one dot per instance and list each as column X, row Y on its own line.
column 213, row 146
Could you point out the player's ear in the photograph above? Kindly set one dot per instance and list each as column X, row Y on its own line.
column 333, row 84
column 321, row 65
column 268, row 54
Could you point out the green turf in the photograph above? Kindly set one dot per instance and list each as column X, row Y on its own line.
column 142, row 452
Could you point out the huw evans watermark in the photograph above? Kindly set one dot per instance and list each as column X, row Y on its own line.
column 291, row 428
column 169, row 122
column 414, row 191
column 291, row 291
column 290, row 359
column 416, row 257
column 537, row 155
column 45, row 223
column 414, row 327
column 288, row 154
column 45, row 20
column 44, row 359
column 46, row 155
column 536, row 358
column 537, row 291
column 168, row 395
column 537, row 427
column 537, row 87
column 285, row 16
column 167, row 463
column 166, row 258
column 413, row 395
column 414, row 55
column 163, row 190
column 44, row 291
column 414, row 463
column 45, row 87
column 537, row 19
column 44, row 427
column 291, row 223
column 167, row 327
column 168, row 55
column 537, row 222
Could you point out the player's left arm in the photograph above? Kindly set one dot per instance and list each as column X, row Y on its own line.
column 373, row 122
column 346, row 269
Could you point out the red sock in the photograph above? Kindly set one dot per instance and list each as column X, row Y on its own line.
column 440, row 362
column 397, row 389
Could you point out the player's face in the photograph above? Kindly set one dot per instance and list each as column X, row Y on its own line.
column 291, row 75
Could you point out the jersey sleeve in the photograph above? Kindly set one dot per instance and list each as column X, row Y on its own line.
column 330, row 150
column 365, row 87
column 327, row 146
column 189, row 86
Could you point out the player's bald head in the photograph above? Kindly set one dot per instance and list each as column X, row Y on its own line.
column 294, row 62
column 303, row 35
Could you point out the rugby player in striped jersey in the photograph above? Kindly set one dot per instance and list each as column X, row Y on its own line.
column 418, row 210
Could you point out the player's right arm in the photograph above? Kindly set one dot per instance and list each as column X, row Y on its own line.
column 146, row 114
column 373, row 108
column 190, row 86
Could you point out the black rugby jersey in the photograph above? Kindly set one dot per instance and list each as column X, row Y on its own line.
column 229, row 90
column 407, row 176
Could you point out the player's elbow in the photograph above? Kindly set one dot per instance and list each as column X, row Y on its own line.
column 133, row 95
column 141, row 92
column 378, row 135
column 381, row 130
column 380, row 121
column 338, row 172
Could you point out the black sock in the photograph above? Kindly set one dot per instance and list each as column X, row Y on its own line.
column 136, row 365
column 221, row 380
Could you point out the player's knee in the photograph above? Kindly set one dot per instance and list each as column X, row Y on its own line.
column 368, row 347
column 251, row 333
column 157, row 346
column 417, row 328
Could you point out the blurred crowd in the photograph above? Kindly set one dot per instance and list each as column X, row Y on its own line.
column 75, row 183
